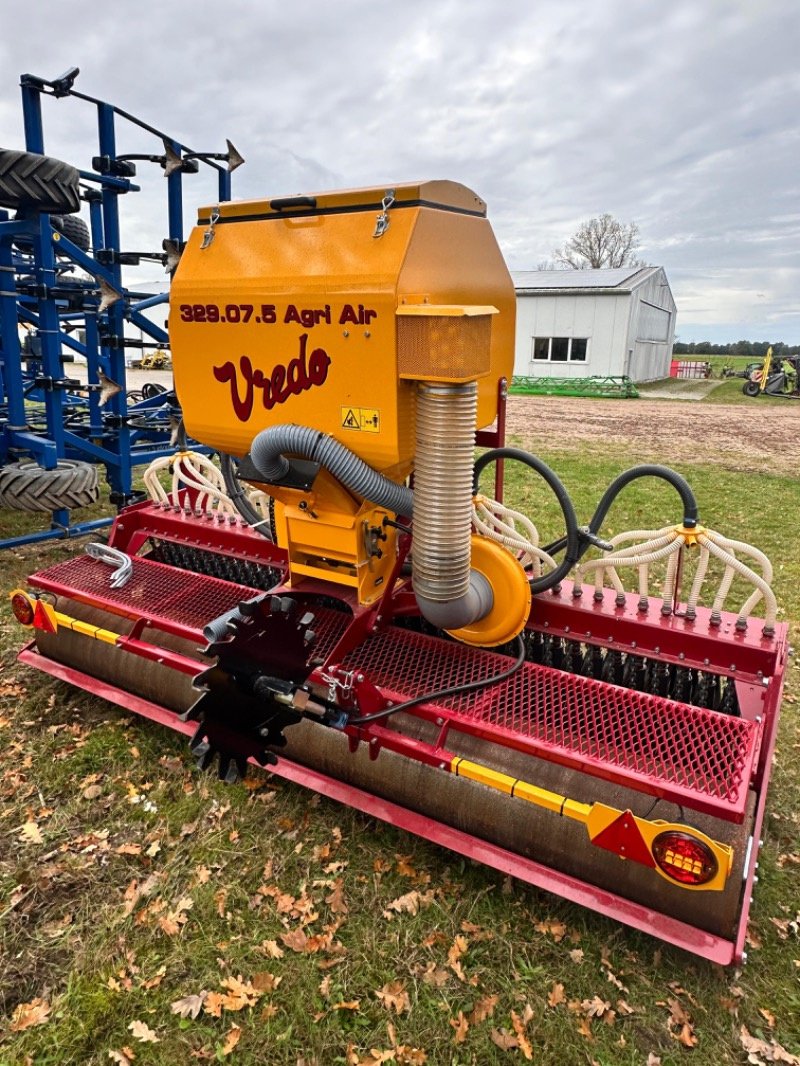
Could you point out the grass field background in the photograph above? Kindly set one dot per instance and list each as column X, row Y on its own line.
column 149, row 914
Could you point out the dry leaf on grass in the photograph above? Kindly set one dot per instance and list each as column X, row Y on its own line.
column 231, row 1040
column 680, row 1024
column 189, row 1006
column 557, row 930
column 505, row 1041
column 143, row 1033
column 271, row 949
column 556, row 996
column 26, row 1015
column 522, row 1039
column 484, row 1008
column 394, row 997
column 122, row 1058
column 461, row 1027
column 30, row 834
column 760, row 1053
column 434, row 975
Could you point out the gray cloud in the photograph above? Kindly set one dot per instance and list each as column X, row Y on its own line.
column 680, row 117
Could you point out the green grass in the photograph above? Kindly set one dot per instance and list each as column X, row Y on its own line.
column 105, row 788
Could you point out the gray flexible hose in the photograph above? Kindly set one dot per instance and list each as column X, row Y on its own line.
column 268, row 448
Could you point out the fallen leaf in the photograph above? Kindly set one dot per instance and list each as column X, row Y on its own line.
column 213, row 1004
column 30, row 834
column 505, row 1041
column 270, row 948
column 576, row 955
column 771, row 1052
column 189, row 1006
column 265, row 982
column 92, row 792
column 768, row 1016
column 121, row 1058
column 556, row 996
column 143, row 1033
column 409, row 903
column 519, row 1029
column 26, row 1015
column 349, row 1004
column 557, row 930
column 681, row 1021
column 484, row 1008
column 461, row 1026
column 336, row 900
column 595, row 1007
column 231, row 1040
column 297, row 940
column 394, row 997
column 434, row 975
column 241, row 993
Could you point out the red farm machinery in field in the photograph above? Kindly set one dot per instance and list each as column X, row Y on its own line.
column 342, row 599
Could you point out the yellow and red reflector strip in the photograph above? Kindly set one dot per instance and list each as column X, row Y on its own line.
column 684, row 858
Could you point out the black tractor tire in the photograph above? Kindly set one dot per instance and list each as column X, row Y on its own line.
column 751, row 388
column 29, row 180
column 73, row 228
column 26, row 486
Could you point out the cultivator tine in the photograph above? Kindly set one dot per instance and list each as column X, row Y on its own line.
column 108, row 296
column 108, row 388
column 173, row 250
column 234, row 158
column 172, row 160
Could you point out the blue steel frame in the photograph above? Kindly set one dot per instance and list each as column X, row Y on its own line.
column 41, row 413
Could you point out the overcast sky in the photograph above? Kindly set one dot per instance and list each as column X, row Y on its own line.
column 683, row 117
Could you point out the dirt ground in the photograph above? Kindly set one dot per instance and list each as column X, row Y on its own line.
column 747, row 438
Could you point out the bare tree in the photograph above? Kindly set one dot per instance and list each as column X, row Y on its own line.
column 600, row 242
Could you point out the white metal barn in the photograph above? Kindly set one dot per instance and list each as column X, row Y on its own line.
column 594, row 323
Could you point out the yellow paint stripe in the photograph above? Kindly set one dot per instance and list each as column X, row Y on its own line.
column 86, row 629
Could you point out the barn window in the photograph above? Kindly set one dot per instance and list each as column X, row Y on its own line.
column 559, row 349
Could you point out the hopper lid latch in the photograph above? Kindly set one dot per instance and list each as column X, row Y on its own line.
column 382, row 220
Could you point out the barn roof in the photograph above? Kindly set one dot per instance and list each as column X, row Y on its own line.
column 618, row 279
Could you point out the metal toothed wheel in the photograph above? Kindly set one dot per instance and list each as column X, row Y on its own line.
column 38, row 181
column 26, row 486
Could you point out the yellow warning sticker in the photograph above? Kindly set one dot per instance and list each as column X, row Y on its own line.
column 363, row 419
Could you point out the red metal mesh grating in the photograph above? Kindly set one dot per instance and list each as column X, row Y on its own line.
column 155, row 591
column 165, row 594
column 648, row 742
column 328, row 626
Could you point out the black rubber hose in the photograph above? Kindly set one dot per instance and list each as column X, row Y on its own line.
column 572, row 541
column 239, row 498
column 443, row 693
column 679, row 483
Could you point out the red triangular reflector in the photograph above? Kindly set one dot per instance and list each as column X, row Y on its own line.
column 624, row 839
column 42, row 620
